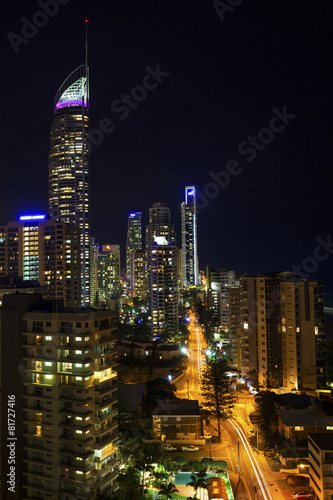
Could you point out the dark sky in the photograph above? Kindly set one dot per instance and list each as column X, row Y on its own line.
column 223, row 79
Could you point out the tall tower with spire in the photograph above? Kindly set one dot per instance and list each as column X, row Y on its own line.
column 189, row 238
column 69, row 162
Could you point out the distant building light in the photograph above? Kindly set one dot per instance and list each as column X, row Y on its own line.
column 32, row 217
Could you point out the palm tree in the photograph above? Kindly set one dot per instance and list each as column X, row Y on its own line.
column 167, row 489
column 198, row 481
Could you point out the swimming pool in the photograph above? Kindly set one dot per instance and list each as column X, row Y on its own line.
column 182, row 478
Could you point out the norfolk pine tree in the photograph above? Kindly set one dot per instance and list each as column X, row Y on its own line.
column 219, row 398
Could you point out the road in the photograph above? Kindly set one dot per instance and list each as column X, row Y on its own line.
column 235, row 449
column 189, row 385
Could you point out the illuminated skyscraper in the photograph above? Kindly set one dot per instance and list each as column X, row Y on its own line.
column 283, row 331
column 189, row 238
column 43, row 250
column 69, row 163
column 134, row 241
column 159, row 224
column 139, row 278
column 163, row 287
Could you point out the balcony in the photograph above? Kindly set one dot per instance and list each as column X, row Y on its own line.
column 105, row 402
column 108, row 438
column 104, row 480
column 102, row 387
column 65, row 449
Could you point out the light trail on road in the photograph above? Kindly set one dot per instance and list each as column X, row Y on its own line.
column 256, row 469
column 199, row 356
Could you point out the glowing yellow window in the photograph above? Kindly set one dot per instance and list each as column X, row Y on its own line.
column 38, row 430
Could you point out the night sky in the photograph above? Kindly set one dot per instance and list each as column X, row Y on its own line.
column 223, row 79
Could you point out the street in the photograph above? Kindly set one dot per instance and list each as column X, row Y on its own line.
column 235, row 449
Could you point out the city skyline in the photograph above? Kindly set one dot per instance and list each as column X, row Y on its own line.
column 235, row 106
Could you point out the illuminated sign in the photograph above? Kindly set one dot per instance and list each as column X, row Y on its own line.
column 190, row 193
column 32, row 217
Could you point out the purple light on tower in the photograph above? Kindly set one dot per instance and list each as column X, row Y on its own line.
column 70, row 103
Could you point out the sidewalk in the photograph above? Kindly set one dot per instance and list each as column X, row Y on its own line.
column 275, row 479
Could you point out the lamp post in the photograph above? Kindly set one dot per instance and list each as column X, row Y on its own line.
column 257, row 438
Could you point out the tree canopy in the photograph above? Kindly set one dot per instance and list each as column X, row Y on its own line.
column 219, row 398
column 265, row 401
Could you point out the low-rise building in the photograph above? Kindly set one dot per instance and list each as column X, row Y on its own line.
column 177, row 419
column 143, row 348
column 298, row 424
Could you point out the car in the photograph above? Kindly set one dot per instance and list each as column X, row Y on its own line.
column 190, row 447
column 301, row 493
column 168, row 447
column 206, row 436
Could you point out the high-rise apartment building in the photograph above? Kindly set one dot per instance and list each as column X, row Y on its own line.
column 60, row 365
column 69, row 163
column 219, row 282
column 189, row 238
column 108, row 277
column 163, row 287
column 133, row 242
column 160, row 224
column 235, row 326
column 105, row 270
column 44, row 250
column 94, row 249
column 283, row 331
column 139, row 275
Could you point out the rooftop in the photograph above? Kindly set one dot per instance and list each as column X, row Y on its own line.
column 323, row 440
column 177, row 407
column 305, row 418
